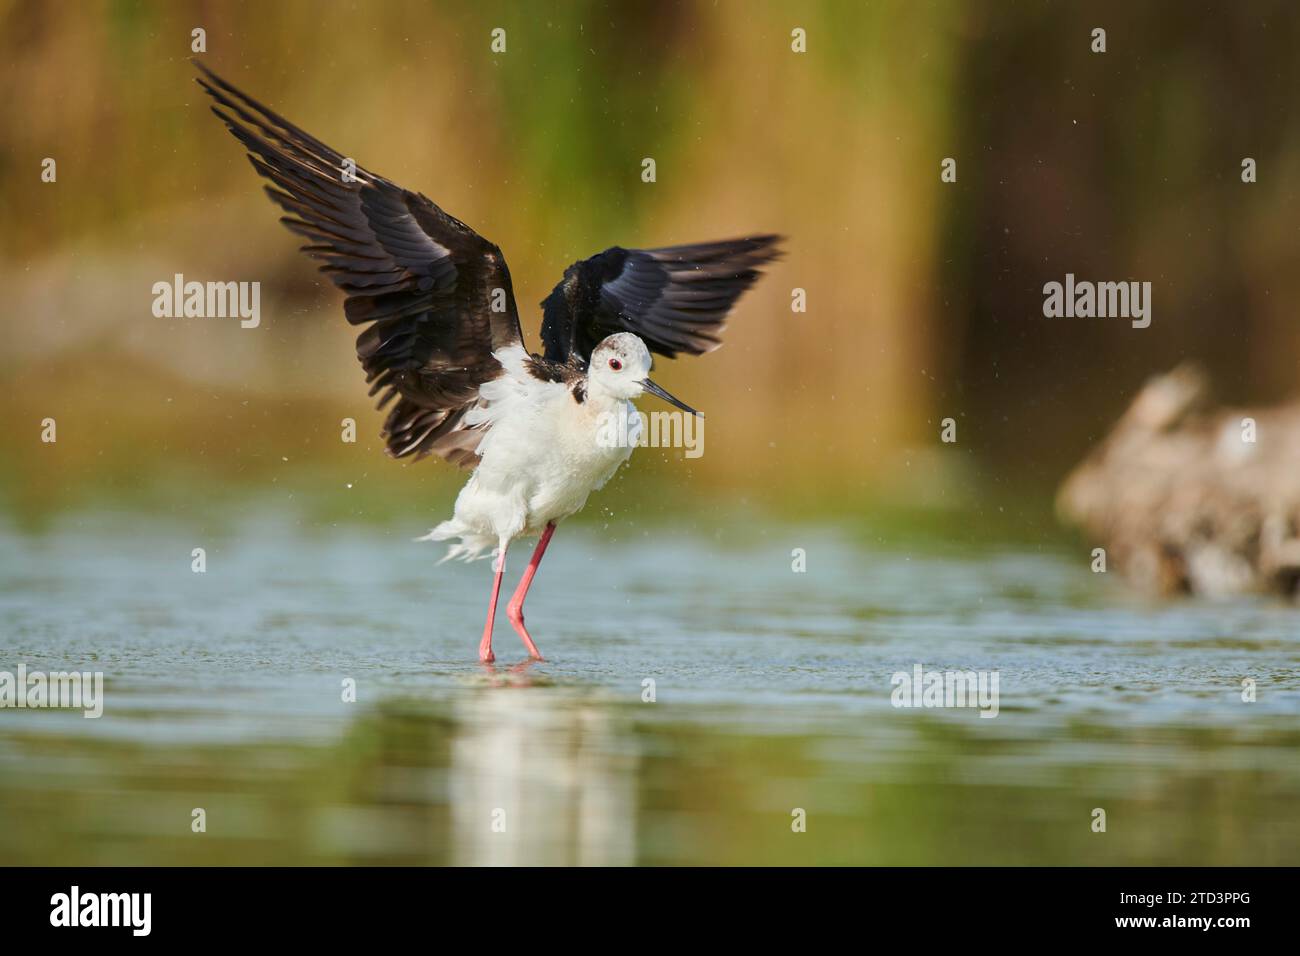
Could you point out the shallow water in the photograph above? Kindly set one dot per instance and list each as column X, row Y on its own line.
column 772, row 694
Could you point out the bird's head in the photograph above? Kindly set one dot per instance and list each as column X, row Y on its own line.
column 620, row 367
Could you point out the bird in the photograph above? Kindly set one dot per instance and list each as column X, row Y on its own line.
column 443, row 346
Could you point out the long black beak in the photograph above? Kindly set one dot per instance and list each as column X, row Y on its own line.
column 655, row 390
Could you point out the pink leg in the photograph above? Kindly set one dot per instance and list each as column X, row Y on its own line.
column 485, row 646
column 515, row 609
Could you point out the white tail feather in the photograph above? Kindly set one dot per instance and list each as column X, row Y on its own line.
column 470, row 547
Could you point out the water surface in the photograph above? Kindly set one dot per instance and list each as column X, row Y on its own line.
column 771, row 696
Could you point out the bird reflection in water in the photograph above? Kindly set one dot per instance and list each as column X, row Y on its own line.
column 543, row 776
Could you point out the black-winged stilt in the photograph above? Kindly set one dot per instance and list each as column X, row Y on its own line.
column 444, row 345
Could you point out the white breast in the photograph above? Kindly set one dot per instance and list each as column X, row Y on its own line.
column 544, row 452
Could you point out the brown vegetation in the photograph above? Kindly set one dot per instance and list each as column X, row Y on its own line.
column 1185, row 497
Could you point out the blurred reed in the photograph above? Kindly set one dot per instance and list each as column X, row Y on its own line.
column 923, row 297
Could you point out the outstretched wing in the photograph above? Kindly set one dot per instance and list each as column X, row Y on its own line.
column 423, row 282
column 676, row 299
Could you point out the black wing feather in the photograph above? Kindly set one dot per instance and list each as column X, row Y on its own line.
column 676, row 299
column 422, row 278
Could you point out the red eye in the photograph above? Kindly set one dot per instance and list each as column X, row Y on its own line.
column 615, row 364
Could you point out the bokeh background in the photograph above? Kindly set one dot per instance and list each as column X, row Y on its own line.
column 924, row 301
column 924, row 298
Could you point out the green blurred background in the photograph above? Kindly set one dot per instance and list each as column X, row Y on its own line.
column 924, row 298
column 924, row 302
